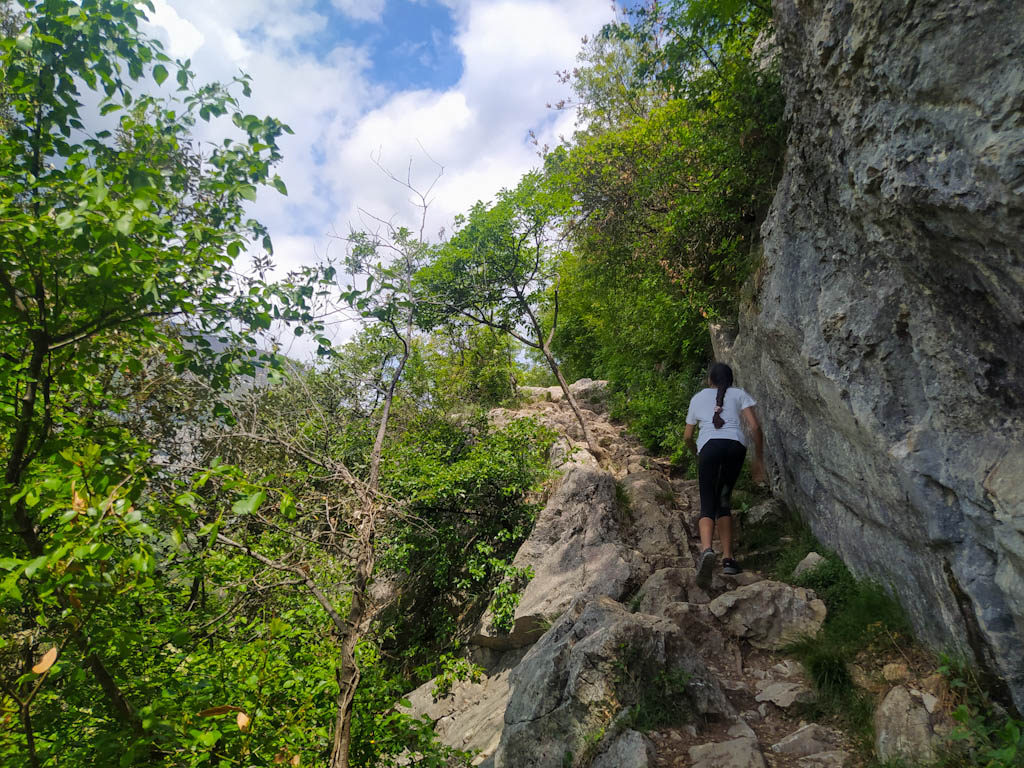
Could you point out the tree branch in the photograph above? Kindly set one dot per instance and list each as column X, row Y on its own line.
column 300, row 571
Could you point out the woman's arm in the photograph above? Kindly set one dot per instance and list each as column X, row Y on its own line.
column 757, row 471
column 688, row 438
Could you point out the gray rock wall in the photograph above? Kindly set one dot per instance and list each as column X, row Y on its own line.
column 884, row 335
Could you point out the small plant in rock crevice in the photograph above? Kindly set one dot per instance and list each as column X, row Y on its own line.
column 622, row 502
column 864, row 621
column 862, row 618
column 453, row 670
column 507, row 594
column 658, row 694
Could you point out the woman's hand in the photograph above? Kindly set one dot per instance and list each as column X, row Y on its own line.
column 689, row 439
column 757, row 472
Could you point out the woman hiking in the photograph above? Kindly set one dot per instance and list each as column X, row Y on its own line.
column 721, row 447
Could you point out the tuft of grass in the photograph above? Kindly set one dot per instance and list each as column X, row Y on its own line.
column 659, row 695
column 622, row 501
column 860, row 613
column 774, row 546
column 662, row 701
column 797, row 542
column 862, row 618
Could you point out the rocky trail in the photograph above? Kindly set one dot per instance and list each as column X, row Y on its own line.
column 617, row 659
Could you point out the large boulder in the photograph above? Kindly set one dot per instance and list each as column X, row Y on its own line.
column 882, row 333
column 784, row 693
column 770, row 614
column 737, row 753
column 810, row 739
column 656, row 528
column 667, row 587
column 593, row 664
column 576, row 549
column 591, row 393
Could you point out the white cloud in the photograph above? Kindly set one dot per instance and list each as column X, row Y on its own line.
column 364, row 10
column 477, row 129
column 183, row 36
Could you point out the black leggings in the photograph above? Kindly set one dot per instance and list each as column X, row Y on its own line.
column 718, row 466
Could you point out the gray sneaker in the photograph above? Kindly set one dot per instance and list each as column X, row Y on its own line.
column 705, row 567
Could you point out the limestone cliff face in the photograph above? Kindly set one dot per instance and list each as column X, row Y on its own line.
column 884, row 335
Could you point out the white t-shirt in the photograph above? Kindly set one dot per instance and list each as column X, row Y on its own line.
column 702, row 410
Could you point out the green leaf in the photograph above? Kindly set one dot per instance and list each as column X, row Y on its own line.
column 249, row 504
column 35, row 565
column 208, row 738
column 247, row 191
column 65, row 219
column 9, row 585
column 91, row 269
column 159, row 73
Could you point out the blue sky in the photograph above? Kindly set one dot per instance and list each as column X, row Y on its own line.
column 411, row 43
column 410, row 84
column 413, row 46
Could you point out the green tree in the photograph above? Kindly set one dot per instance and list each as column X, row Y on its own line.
column 609, row 84
column 113, row 243
column 381, row 266
column 500, row 270
column 472, row 365
column 669, row 203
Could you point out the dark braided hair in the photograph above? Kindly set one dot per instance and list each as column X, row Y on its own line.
column 721, row 377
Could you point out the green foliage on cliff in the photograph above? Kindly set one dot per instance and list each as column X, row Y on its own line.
column 468, row 490
column 669, row 202
column 985, row 734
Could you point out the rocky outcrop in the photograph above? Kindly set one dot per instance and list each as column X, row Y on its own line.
column 630, row 750
column 592, row 665
column 576, row 549
column 882, row 333
column 469, row 716
column 737, row 753
column 810, row 739
column 612, row 634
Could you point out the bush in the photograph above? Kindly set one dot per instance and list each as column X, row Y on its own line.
column 985, row 735
column 471, row 500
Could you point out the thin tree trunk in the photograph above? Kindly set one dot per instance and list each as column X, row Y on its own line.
column 30, row 736
column 544, row 345
column 348, row 670
column 591, row 443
